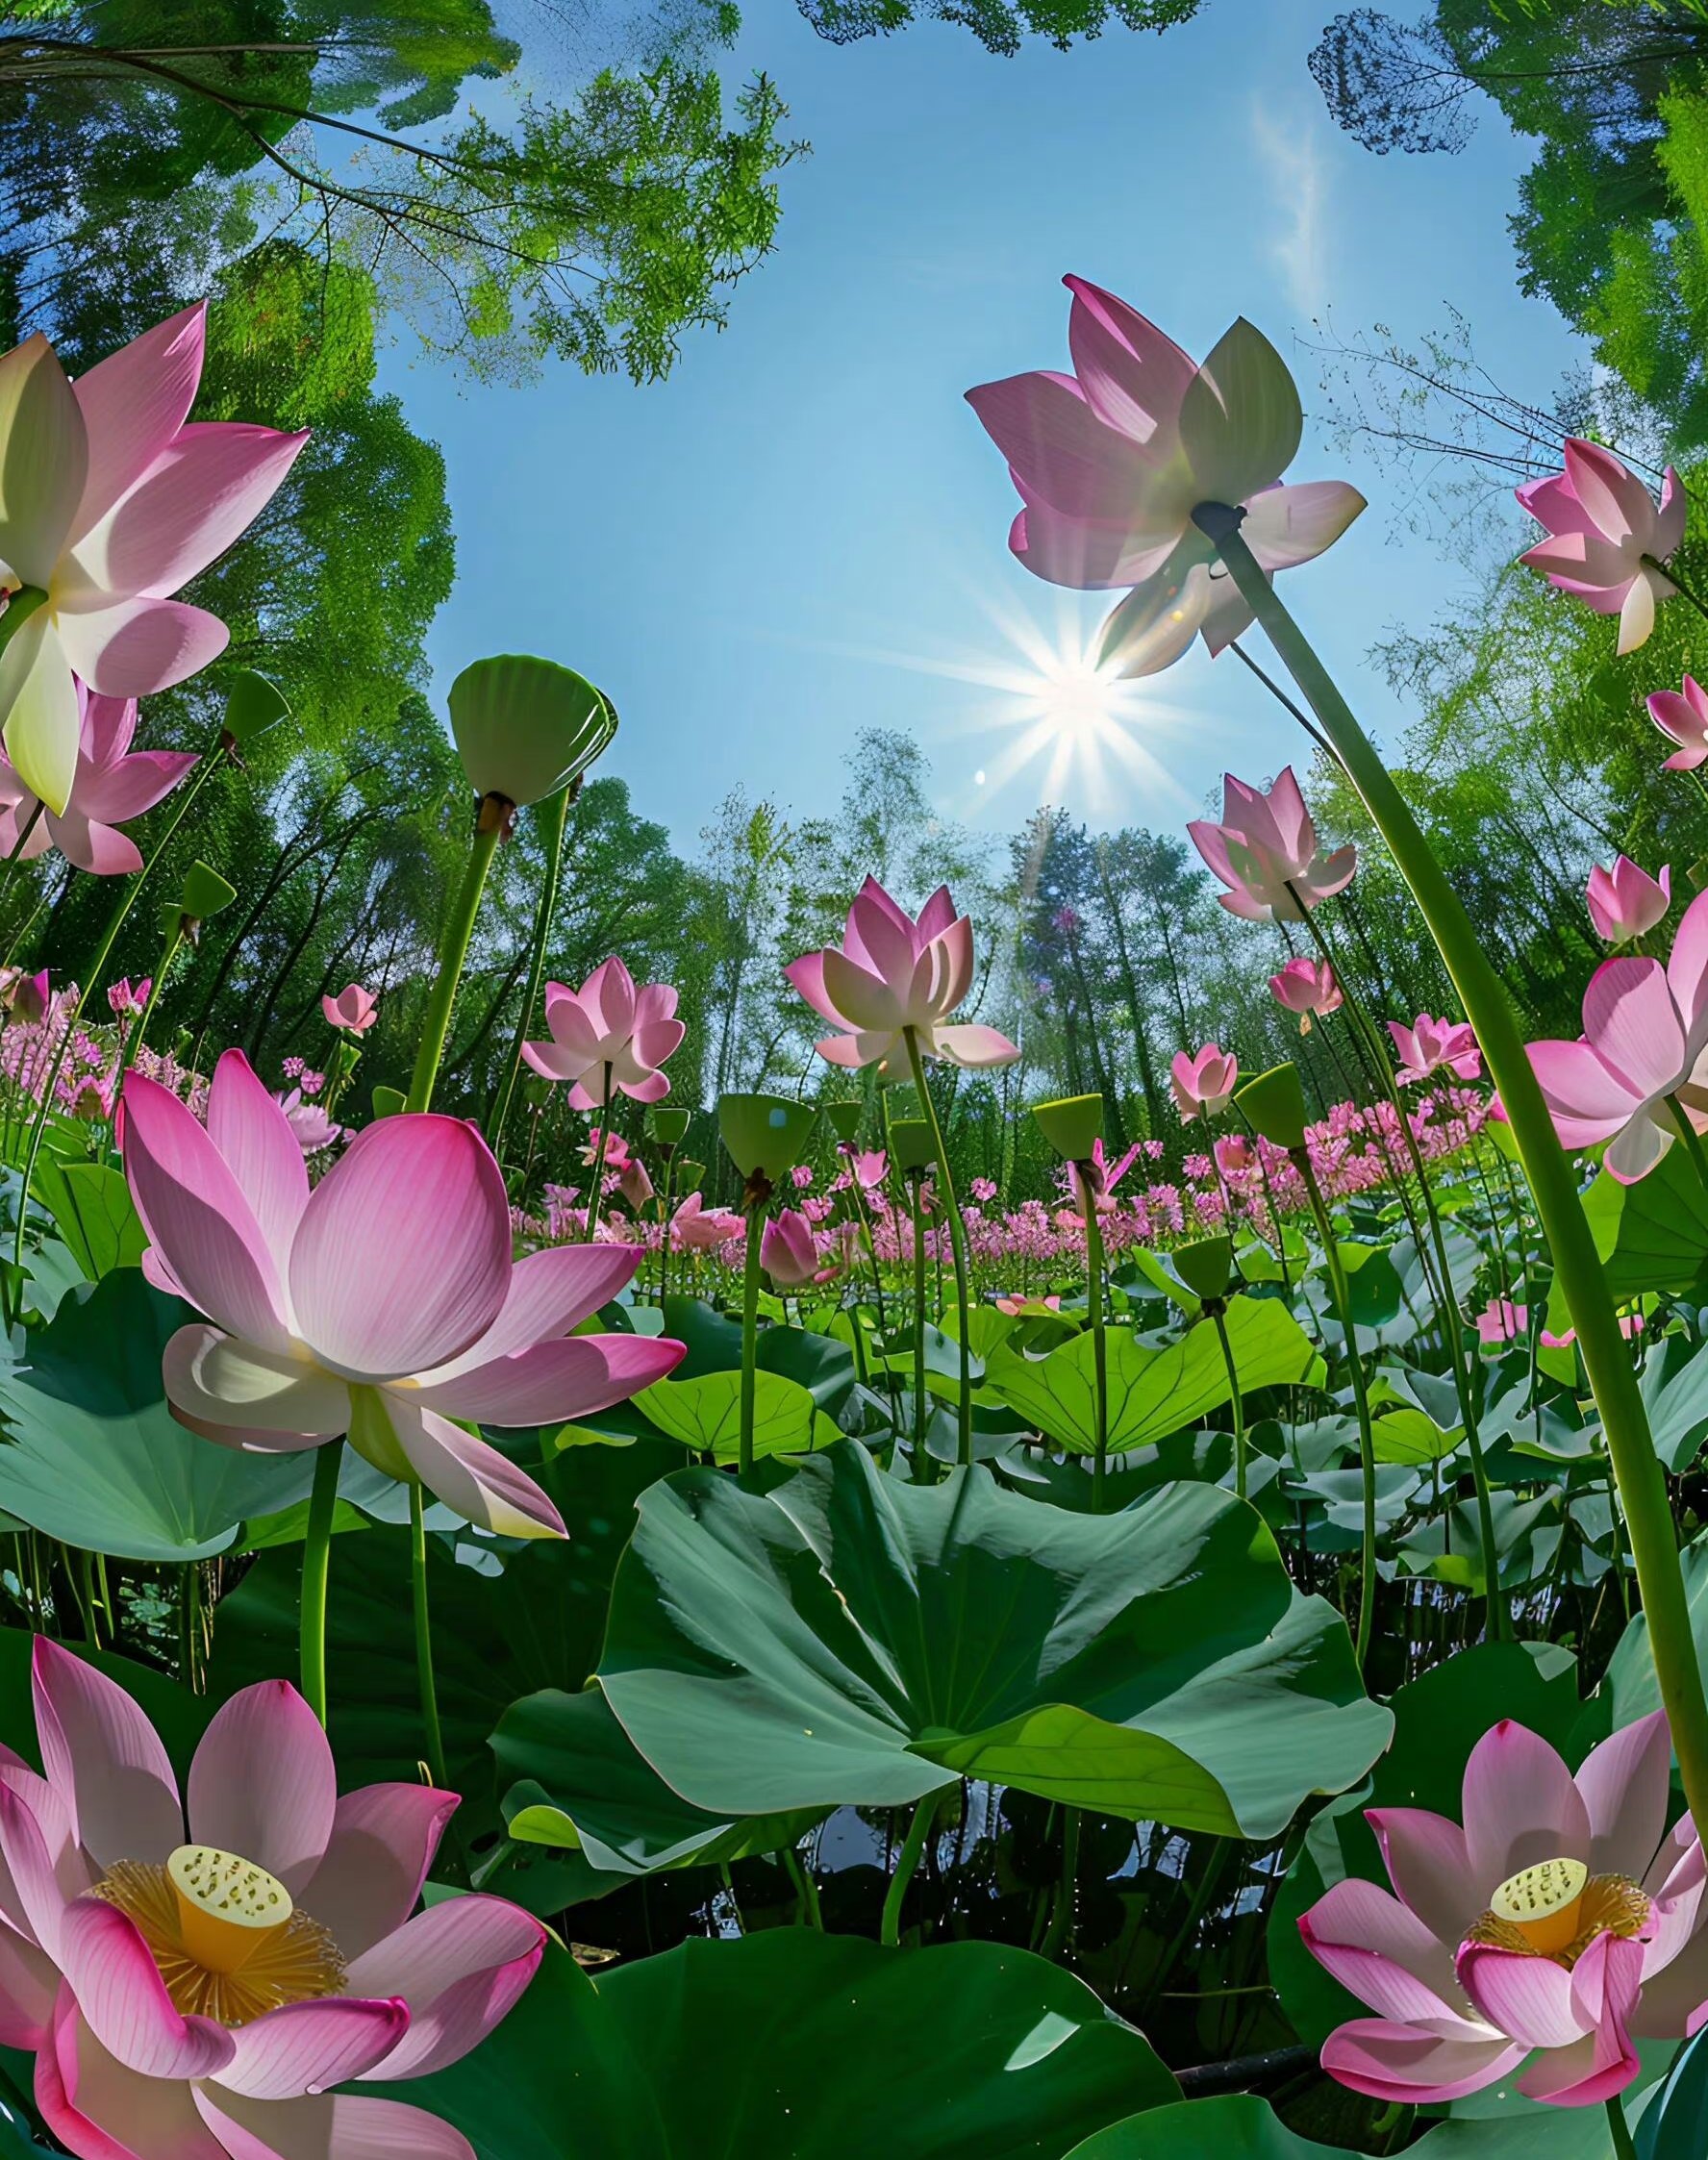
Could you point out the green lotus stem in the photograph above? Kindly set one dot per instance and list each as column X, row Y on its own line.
column 1342, row 1300
column 871, row 1253
column 1452, row 1321
column 1619, row 2132
column 1099, row 1342
column 809, row 1912
column 596, row 1197
column 921, row 1455
column 957, row 1247
column 436, row 1754
column 310, row 1620
column 453, row 948
column 1577, row 1265
column 1061, row 1921
column 1692, row 1139
column 554, row 816
column 1217, row 1314
column 750, row 1329
column 906, row 1860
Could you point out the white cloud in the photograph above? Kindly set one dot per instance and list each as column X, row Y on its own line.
column 1295, row 175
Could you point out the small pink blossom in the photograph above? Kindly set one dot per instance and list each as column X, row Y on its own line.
column 608, row 1029
column 1265, row 851
column 1607, row 540
column 1308, row 988
column 1203, row 1083
column 1430, row 1045
column 1682, row 714
column 353, row 1010
column 1625, row 902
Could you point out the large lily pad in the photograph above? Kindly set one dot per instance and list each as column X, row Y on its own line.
column 94, row 1458
column 1153, row 1393
column 1652, row 1235
column 792, row 2042
column 850, row 1639
column 1237, row 2126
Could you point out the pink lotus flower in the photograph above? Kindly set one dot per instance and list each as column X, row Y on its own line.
column 112, row 504
column 1683, row 715
column 309, row 1121
column 868, row 1167
column 354, row 1009
column 1500, row 1321
column 1203, row 1085
column 1625, row 902
column 125, row 996
column 634, row 1184
column 788, row 1254
column 111, row 784
column 191, row 1988
column 983, row 1189
column 1630, row 1326
column 383, row 1305
column 891, row 973
column 703, row 1229
column 1265, row 852
column 1104, row 1178
column 1606, row 538
column 1014, row 1306
column 608, row 1023
column 26, row 998
column 1308, row 988
column 1430, row 1045
column 1644, row 1040
column 1561, row 1920
column 1234, row 1156
column 1111, row 461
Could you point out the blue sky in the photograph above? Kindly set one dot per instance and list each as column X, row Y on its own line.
column 802, row 532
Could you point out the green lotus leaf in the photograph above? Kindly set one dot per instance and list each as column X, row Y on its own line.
column 849, row 1638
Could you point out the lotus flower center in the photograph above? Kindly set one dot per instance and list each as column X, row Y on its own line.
column 1556, row 1908
column 229, row 1942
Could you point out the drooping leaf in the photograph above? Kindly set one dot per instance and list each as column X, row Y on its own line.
column 91, row 1204
column 851, row 1639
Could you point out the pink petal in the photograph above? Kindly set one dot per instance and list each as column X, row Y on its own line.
column 202, row 492
column 252, row 1398
column 35, row 1895
column 866, row 1000
column 29, row 1982
column 653, row 1088
column 1625, row 1783
column 807, row 974
column 336, row 2127
column 122, row 1997
column 1530, row 1998
column 1373, row 1945
column 307, row 2047
column 134, row 403
column 1407, row 2064
column 572, row 1025
column 655, row 1041
column 1521, row 1806
column 1631, row 1154
column 471, row 1477
column 552, row 1382
column 1287, row 526
column 950, row 951
column 1133, row 375
column 1687, row 970
column 1428, row 1863
column 1059, row 449
column 262, row 1783
column 133, row 785
column 656, row 1002
column 133, row 647
column 552, row 1063
column 550, row 1293
column 194, row 1208
column 46, row 453
column 98, row 849
column 1604, row 1983
column 97, row 2107
column 1085, row 554
column 1615, row 501
column 383, row 1841
column 460, row 1966
column 1585, row 1100
column 852, row 1052
column 254, row 1135
column 974, row 1046
column 105, row 1759
column 402, row 1259
column 1553, row 502
column 890, row 948
column 607, row 998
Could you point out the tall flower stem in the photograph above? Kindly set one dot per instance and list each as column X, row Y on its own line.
column 1452, row 1321
column 596, row 1197
column 1217, row 1309
column 921, row 1455
column 429, row 1687
column 1099, row 1342
column 453, row 948
column 1577, row 1265
column 912, row 1845
column 751, row 1327
column 554, row 816
column 1619, row 2131
column 1366, row 1439
column 311, row 1620
column 946, row 1185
